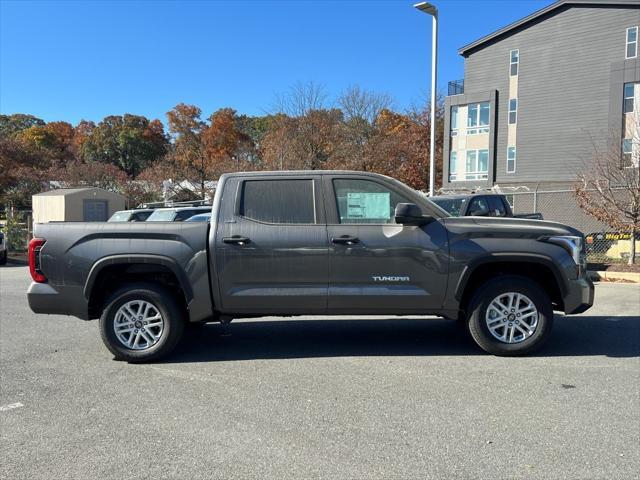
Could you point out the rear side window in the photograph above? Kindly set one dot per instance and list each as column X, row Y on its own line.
column 278, row 201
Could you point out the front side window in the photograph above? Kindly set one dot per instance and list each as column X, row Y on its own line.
column 497, row 207
column 365, row 201
column 479, row 207
column 477, row 165
column 454, row 121
column 511, row 159
column 453, row 166
column 478, row 118
column 514, row 62
column 278, row 201
column 513, row 111
column 628, row 97
column 632, row 42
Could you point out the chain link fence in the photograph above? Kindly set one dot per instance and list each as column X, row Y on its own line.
column 604, row 244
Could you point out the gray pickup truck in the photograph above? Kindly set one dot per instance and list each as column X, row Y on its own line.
column 318, row 242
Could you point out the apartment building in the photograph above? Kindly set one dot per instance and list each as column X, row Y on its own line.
column 539, row 95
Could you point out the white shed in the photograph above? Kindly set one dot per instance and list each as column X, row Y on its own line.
column 88, row 204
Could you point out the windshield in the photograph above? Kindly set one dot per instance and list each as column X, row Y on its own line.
column 453, row 206
column 120, row 217
column 162, row 216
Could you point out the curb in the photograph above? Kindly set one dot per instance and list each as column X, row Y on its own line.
column 607, row 275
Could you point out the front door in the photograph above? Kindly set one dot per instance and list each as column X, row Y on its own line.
column 271, row 248
column 377, row 266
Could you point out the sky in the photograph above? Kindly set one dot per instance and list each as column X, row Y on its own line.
column 73, row 60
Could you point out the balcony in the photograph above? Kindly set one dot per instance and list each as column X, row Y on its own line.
column 456, row 87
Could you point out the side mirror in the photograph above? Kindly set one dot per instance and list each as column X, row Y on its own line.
column 410, row 214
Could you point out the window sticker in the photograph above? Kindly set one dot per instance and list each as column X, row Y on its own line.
column 361, row 205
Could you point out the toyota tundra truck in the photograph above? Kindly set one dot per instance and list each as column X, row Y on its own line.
column 310, row 243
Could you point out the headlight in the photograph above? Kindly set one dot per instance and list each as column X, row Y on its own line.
column 571, row 244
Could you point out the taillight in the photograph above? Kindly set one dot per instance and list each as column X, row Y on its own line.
column 35, row 245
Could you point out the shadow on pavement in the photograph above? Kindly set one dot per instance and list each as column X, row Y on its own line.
column 280, row 339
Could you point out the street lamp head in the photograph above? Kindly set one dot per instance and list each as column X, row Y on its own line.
column 427, row 7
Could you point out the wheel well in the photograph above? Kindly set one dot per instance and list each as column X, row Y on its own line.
column 539, row 273
column 112, row 277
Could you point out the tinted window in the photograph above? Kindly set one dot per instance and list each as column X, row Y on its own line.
column 363, row 201
column 452, row 206
column 141, row 216
column 497, row 207
column 479, row 207
column 278, row 201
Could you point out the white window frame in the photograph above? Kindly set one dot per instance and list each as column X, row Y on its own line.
column 627, row 42
column 515, row 156
column 453, row 176
column 514, row 111
column 476, row 174
column 632, row 97
column 516, row 63
column 454, row 131
column 478, row 128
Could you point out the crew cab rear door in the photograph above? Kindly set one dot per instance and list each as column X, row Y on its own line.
column 377, row 266
column 271, row 248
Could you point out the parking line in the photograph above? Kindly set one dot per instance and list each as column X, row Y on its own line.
column 10, row 406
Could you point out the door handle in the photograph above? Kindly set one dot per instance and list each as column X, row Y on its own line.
column 236, row 240
column 345, row 240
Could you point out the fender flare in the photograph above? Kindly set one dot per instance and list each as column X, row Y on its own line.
column 514, row 258
column 147, row 259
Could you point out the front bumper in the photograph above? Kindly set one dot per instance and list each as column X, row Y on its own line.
column 44, row 298
column 579, row 295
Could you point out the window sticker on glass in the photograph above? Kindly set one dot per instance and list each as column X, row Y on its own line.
column 368, row 205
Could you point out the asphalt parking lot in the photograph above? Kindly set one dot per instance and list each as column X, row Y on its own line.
column 315, row 398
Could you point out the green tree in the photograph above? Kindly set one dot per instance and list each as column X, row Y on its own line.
column 10, row 125
column 132, row 142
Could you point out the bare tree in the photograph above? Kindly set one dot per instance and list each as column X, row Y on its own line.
column 609, row 187
column 301, row 98
column 357, row 103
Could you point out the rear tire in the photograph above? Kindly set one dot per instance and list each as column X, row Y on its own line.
column 141, row 322
column 510, row 316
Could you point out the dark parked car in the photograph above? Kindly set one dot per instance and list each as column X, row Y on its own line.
column 202, row 217
column 176, row 214
column 3, row 249
column 479, row 205
column 137, row 215
column 319, row 242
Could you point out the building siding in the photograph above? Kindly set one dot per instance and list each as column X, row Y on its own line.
column 564, row 89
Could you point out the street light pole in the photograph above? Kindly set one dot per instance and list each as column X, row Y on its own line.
column 430, row 9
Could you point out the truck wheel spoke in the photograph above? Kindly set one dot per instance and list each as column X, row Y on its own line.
column 511, row 317
column 130, row 320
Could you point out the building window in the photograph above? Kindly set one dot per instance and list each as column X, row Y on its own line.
column 628, row 98
column 632, row 42
column 511, row 160
column 477, row 165
column 454, row 121
column 513, row 111
column 453, row 166
column 514, row 62
column 627, row 146
column 478, row 118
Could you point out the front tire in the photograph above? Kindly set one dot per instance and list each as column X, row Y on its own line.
column 510, row 316
column 3, row 258
column 141, row 323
